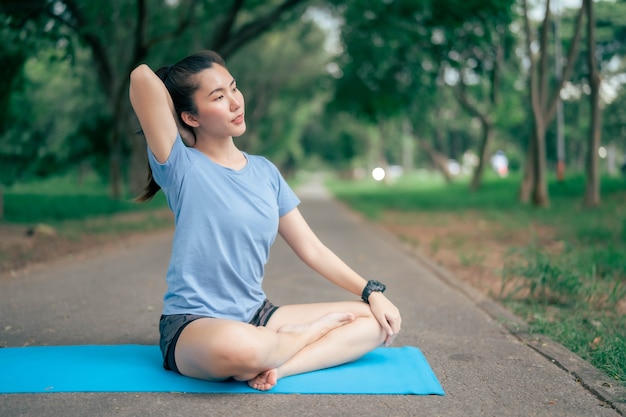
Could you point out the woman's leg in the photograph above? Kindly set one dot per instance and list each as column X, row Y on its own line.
column 341, row 345
column 215, row 349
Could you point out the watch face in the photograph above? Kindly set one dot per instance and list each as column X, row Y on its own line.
column 376, row 286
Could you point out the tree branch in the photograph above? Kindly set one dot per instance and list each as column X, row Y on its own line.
column 252, row 30
column 139, row 47
column 224, row 30
column 543, row 57
column 534, row 93
column 103, row 66
column 184, row 22
column 572, row 56
column 469, row 106
column 496, row 73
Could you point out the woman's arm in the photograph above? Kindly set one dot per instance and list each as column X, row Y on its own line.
column 305, row 243
column 154, row 109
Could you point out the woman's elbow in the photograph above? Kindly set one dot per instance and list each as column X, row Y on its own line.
column 142, row 70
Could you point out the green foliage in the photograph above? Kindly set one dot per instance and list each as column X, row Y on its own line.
column 104, row 41
column 382, row 66
column 338, row 142
column 53, row 134
column 610, row 30
column 394, row 63
column 12, row 58
column 613, row 126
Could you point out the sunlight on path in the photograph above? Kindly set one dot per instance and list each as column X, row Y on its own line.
column 313, row 189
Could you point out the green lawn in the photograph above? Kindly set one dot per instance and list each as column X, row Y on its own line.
column 65, row 198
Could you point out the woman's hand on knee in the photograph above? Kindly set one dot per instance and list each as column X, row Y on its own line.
column 387, row 315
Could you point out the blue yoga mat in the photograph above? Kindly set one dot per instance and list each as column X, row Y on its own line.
column 138, row 368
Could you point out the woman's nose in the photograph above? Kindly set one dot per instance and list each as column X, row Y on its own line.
column 235, row 103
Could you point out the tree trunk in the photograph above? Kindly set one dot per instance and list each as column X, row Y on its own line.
column 482, row 157
column 592, row 189
column 544, row 104
column 539, row 93
column 540, row 187
column 439, row 160
column 115, row 166
column 486, row 124
column 528, row 180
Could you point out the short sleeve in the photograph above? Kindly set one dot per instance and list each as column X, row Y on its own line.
column 287, row 199
column 170, row 173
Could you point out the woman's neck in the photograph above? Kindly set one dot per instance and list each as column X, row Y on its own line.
column 222, row 152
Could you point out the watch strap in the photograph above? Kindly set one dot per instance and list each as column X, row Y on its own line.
column 372, row 286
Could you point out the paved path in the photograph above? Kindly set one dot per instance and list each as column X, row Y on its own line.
column 115, row 297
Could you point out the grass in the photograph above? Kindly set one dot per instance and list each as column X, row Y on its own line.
column 59, row 199
column 577, row 294
column 77, row 215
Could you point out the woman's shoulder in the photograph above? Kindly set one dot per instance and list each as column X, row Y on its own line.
column 178, row 149
column 260, row 161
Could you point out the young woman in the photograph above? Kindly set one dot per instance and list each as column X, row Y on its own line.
column 229, row 206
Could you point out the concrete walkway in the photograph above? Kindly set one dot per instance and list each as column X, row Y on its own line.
column 114, row 297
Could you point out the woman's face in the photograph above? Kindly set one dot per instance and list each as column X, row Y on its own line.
column 219, row 104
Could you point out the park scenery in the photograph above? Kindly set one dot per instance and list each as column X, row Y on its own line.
column 488, row 136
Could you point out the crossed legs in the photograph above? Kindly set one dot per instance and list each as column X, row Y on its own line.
column 297, row 339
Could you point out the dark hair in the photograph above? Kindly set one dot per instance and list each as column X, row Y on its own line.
column 181, row 84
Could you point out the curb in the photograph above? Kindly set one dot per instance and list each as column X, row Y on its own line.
column 592, row 379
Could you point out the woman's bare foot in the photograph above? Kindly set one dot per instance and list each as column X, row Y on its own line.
column 265, row 380
column 312, row 332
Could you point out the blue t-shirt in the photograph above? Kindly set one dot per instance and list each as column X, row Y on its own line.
column 226, row 222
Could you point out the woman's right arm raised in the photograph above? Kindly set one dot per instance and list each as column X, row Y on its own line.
column 154, row 109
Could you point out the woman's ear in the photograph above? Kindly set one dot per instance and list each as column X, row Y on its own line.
column 189, row 119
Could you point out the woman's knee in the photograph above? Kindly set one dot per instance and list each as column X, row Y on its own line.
column 222, row 352
column 375, row 329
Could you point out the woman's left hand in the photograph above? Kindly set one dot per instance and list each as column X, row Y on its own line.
column 387, row 315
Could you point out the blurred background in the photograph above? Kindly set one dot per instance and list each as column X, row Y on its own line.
column 359, row 88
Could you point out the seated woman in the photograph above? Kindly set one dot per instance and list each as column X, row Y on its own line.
column 217, row 322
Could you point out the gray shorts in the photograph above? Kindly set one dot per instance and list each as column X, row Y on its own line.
column 171, row 326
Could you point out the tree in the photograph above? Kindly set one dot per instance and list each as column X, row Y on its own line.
column 592, row 189
column 122, row 33
column 543, row 101
column 12, row 62
column 476, row 52
column 398, row 54
column 610, row 48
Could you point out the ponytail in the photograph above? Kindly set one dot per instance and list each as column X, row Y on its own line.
column 150, row 190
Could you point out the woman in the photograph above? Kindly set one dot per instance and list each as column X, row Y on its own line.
column 228, row 206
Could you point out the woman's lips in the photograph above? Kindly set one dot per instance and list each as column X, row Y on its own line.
column 238, row 120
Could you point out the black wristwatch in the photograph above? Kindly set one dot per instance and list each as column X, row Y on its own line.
column 372, row 286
